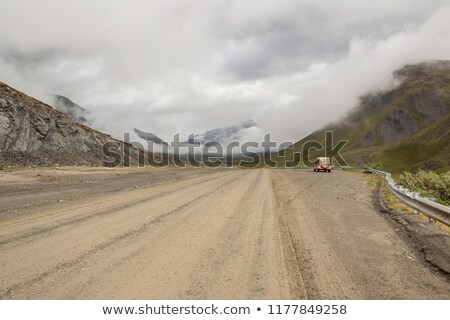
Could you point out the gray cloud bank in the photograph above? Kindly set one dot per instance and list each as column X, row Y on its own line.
column 179, row 66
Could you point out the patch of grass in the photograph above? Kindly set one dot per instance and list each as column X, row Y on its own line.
column 397, row 204
column 443, row 227
column 409, row 156
column 374, row 181
column 373, row 165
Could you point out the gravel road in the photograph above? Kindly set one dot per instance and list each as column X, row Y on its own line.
column 70, row 233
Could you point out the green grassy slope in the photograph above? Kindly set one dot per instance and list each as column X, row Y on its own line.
column 406, row 128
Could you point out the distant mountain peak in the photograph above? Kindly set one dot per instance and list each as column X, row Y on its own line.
column 219, row 135
column 67, row 106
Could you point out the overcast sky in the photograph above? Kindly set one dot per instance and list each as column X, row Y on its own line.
column 168, row 66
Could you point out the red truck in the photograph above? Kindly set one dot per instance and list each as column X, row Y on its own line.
column 323, row 163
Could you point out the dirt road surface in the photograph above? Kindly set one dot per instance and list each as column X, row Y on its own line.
column 203, row 234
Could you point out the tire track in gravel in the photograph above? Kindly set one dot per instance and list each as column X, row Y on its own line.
column 338, row 245
column 143, row 226
column 229, row 234
column 317, row 276
column 113, row 206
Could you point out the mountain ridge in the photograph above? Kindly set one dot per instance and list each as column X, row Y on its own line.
column 405, row 128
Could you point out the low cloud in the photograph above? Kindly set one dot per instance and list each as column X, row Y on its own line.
column 190, row 66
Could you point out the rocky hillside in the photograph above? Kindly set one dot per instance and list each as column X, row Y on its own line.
column 406, row 128
column 33, row 133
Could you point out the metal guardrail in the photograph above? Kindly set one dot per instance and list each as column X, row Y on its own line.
column 430, row 208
